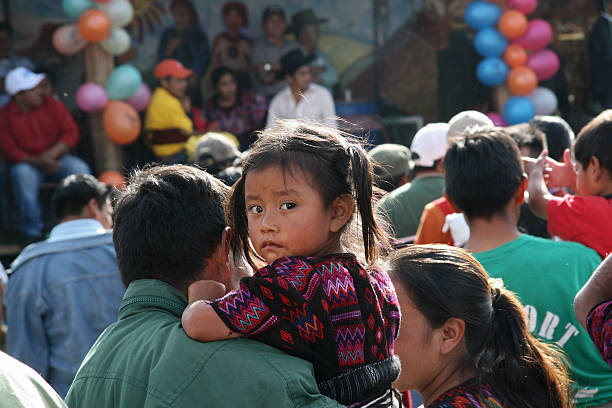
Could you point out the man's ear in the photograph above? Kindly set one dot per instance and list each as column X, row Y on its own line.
column 452, row 334
column 91, row 209
column 341, row 210
column 595, row 168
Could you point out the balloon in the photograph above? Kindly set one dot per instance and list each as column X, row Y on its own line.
column 544, row 63
column 522, row 80
column 492, row 71
column 94, row 25
column 113, row 178
column 120, row 12
column 515, row 55
column 74, row 8
column 544, row 100
column 497, row 119
column 526, row 6
column 512, row 24
column 121, row 122
column 481, row 14
column 67, row 40
column 140, row 100
column 91, row 97
column 538, row 35
column 490, row 43
column 123, row 82
column 117, row 42
column 518, row 109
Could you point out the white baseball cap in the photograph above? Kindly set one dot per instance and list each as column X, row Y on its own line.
column 21, row 79
column 430, row 144
column 466, row 120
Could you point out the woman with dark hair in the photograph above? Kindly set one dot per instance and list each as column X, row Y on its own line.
column 464, row 340
column 232, row 49
column 239, row 112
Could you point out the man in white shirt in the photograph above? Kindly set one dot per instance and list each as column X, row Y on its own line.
column 301, row 99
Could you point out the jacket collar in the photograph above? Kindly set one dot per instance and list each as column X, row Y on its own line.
column 152, row 294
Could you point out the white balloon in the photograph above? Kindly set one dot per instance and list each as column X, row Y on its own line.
column 119, row 12
column 544, row 100
column 117, row 42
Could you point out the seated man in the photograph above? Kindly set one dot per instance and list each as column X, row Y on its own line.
column 485, row 179
column 167, row 125
column 63, row 292
column 36, row 133
column 170, row 232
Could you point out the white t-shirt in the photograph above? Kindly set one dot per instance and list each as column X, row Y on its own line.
column 317, row 104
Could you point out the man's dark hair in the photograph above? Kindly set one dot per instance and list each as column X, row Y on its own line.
column 595, row 139
column 527, row 135
column 419, row 169
column 483, row 172
column 559, row 134
column 167, row 223
column 75, row 191
column 5, row 26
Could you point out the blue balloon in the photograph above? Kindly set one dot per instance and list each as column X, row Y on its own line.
column 123, row 82
column 490, row 43
column 481, row 14
column 74, row 8
column 492, row 71
column 518, row 109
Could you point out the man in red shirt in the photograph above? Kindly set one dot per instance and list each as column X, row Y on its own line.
column 36, row 133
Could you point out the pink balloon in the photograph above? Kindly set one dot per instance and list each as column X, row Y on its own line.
column 140, row 100
column 526, row 6
column 544, row 63
column 91, row 97
column 67, row 39
column 539, row 34
column 497, row 119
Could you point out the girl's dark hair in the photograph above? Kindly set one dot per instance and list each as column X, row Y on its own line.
column 239, row 8
column 219, row 73
column 336, row 164
column 193, row 14
column 446, row 282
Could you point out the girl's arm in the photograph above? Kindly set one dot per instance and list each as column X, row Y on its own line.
column 199, row 320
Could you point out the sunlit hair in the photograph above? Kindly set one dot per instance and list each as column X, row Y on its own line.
column 334, row 162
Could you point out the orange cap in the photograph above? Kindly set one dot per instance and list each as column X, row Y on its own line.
column 171, row 68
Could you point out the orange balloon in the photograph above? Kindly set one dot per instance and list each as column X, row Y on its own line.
column 121, row 122
column 515, row 56
column 114, row 178
column 522, row 81
column 94, row 25
column 512, row 24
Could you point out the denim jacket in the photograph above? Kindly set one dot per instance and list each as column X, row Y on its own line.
column 61, row 294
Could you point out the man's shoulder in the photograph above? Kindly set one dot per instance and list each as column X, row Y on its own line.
column 320, row 89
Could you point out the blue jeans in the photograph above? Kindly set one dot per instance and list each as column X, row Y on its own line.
column 25, row 181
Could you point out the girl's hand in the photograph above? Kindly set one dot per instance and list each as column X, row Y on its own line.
column 205, row 290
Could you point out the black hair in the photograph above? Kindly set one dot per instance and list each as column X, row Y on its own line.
column 389, row 183
column 75, row 191
column 445, row 282
column 219, row 73
column 602, row 5
column 167, row 223
column 559, row 134
column 5, row 26
column 239, row 8
column 419, row 169
column 337, row 166
column 483, row 171
column 526, row 134
column 595, row 140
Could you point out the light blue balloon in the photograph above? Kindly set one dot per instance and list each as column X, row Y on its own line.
column 492, row 71
column 74, row 8
column 123, row 82
column 490, row 43
column 481, row 14
column 518, row 109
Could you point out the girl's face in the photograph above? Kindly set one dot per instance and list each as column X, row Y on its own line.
column 233, row 20
column 181, row 16
column 227, row 87
column 287, row 216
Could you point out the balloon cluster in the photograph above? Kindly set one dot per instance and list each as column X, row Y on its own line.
column 521, row 44
column 101, row 21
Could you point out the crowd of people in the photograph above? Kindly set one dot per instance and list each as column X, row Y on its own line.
column 291, row 266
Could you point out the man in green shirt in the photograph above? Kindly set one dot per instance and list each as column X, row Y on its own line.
column 403, row 206
column 169, row 232
column 485, row 179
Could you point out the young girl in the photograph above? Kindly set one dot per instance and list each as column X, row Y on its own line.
column 292, row 208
